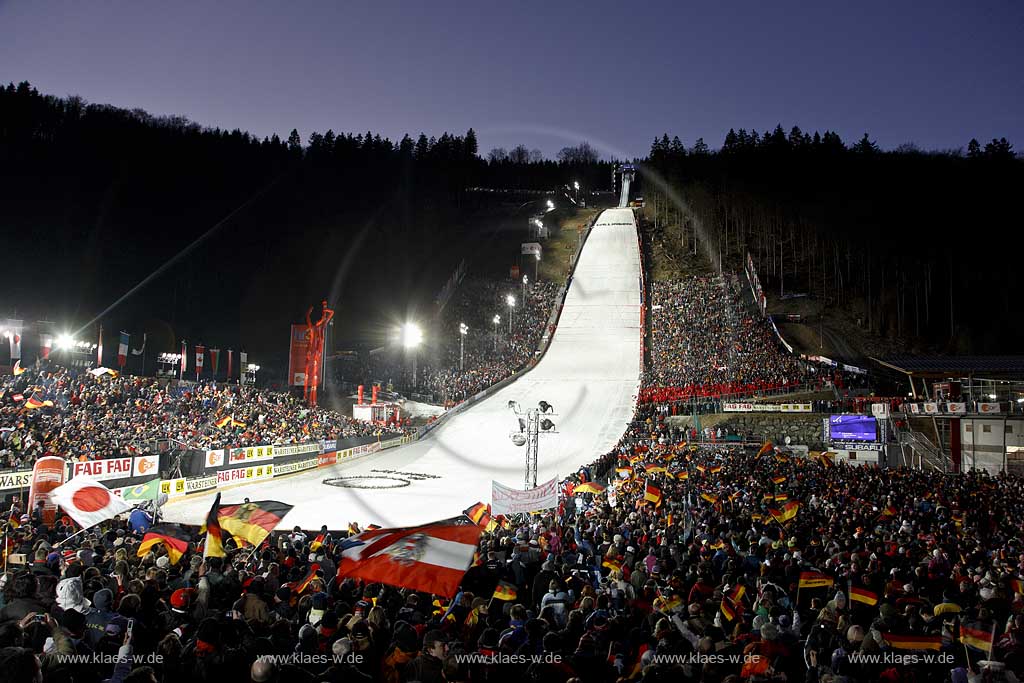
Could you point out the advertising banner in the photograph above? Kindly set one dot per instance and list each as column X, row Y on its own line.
column 324, row 459
column 988, row 408
column 239, row 475
column 146, row 466
column 254, row 453
column 743, row 407
column 297, row 347
column 915, row 408
column 15, row 480
column 880, row 410
column 288, row 468
column 214, row 459
column 931, row 408
column 530, row 248
column 509, row 501
column 101, row 470
column 294, row 449
column 956, row 408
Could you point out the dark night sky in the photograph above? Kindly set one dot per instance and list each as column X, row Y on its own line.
column 547, row 74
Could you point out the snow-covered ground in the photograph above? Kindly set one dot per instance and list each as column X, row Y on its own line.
column 417, row 409
column 590, row 374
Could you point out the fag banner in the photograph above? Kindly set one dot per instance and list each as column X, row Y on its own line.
column 297, row 347
column 509, row 501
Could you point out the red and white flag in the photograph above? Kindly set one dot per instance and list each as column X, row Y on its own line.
column 88, row 502
column 200, row 352
column 45, row 344
column 431, row 558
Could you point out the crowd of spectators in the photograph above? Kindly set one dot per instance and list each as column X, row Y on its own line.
column 91, row 417
column 701, row 584
column 704, row 342
column 490, row 352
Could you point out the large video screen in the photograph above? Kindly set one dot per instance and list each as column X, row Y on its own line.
column 852, row 428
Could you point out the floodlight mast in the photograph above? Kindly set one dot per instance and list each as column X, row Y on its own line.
column 532, row 428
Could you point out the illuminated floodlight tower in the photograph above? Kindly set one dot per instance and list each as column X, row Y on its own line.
column 531, row 425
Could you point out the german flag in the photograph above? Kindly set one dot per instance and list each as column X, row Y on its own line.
column 223, row 422
column 779, row 497
column 479, row 513
column 672, row 603
column 236, row 423
column 317, row 542
column 589, row 487
column 863, row 596
column 734, row 495
column 729, row 610
column 778, row 480
column 34, row 403
column 737, row 593
column 14, row 521
column 702, row 469
column 709, row 498
column 669, row 519
column 1016, row 585
column 718, row 545
column 655, row 469
column 888, row 512
column 787, row 512
column 252, row 521
column 613, row 564
column 974, row 634
column 815, row 580
column 17, row 368
column 958, row 520
column 173, row 536
column 767, row 446
column 682, row 476
column 652, row 494
column 898, row 642
column 716, row 469
column 214, row 534
column 300, row 587
column 505, row 591
column 624, row 472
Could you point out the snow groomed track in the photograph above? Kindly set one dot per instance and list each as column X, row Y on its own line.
column 590, row 374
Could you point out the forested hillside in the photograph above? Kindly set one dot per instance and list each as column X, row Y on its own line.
column 921, row 247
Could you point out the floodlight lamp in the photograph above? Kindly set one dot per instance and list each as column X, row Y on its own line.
column 522, row 425
column 545, row 407
column 65, row 342
column 511, row 301
column 463, row 328
column 412, row 335
column 497, row 319
column 547, row 425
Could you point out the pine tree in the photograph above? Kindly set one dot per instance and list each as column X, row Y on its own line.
column 295, row 143
column 973, row 149
column 470, row 149
column 865, row 146
column 422, row 147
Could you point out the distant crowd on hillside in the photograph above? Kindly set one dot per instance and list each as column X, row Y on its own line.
column 490, row 352
column 84, row 417
column 705, row 343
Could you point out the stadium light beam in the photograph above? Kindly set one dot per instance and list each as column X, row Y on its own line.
column 65, row 342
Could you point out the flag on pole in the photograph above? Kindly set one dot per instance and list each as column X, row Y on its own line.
column 898, row 642
column 17, row 368
column 479, row 513
column 431, row 557
column 815, row 580
column 139, row 351
column 34, row 403
column 243, row 360
column 200, row 352
column 184, row 359
column 505, row 591
column 45, row 344
column 787, row 512
column 863, row 596
column 214, row 358
column 99, row 349
column 122, row 348
column 174, row 537
column 88, row 502
column 230, row 359
column 975, row 634
column 15, row 339
column 223, row 422
column 652, row 494
column 214, row 546
column 149, row 490
column 252, row 521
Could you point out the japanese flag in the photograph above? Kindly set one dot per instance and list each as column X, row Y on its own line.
column 88, row 502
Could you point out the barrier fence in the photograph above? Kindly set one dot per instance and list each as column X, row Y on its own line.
column 199, row 471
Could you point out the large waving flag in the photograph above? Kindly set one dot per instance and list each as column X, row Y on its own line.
column 174, row 537
column 977, row 635
column 787, row 512
column 149, row 490
column 815, row 580
column 431, row 557
column 252, row 521
column 34, row 403
column 479, row 513
column 139, row 351
column 17, row 368
column 88, row 502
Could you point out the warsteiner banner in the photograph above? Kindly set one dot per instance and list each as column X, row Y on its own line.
column 509, row 501
column 297, row 347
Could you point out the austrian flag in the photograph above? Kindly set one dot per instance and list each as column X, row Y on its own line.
column 431, row 558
